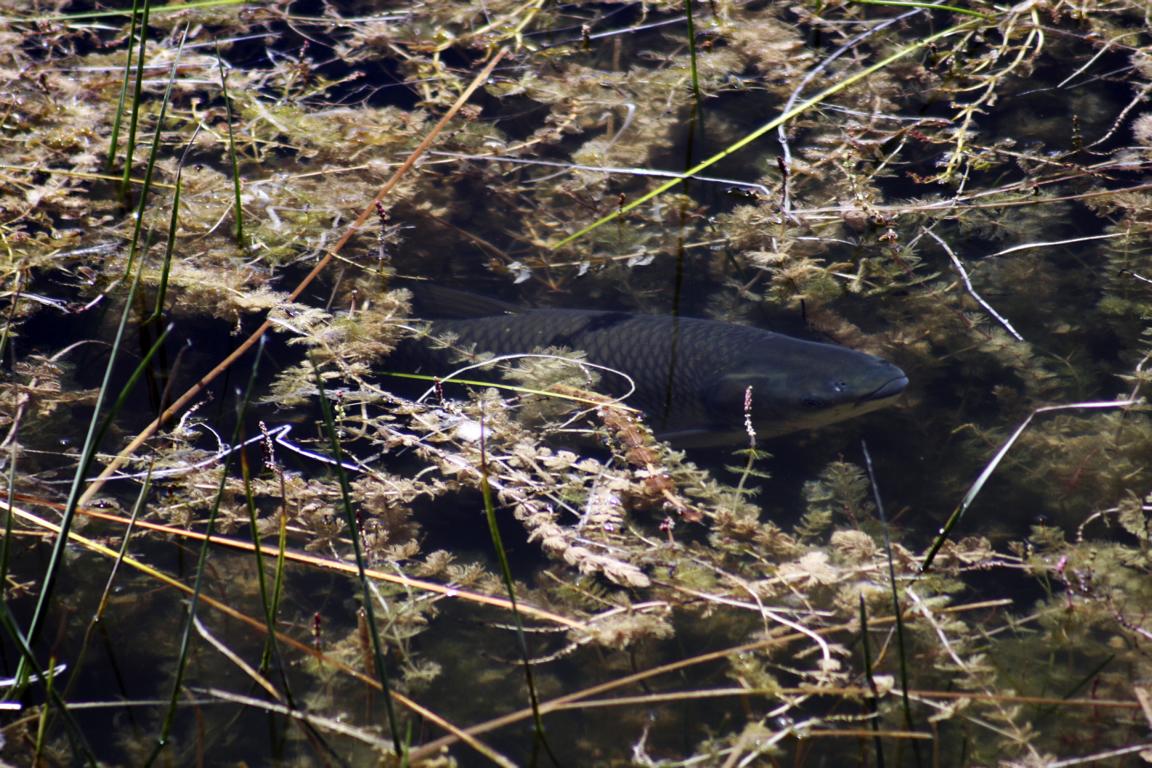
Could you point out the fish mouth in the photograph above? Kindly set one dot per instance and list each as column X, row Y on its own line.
column 888, row 389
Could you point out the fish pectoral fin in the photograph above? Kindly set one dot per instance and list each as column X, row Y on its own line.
column 703, row 437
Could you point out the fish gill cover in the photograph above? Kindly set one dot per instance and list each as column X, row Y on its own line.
column 202, row 211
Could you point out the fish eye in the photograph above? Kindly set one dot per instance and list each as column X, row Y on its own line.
column 839, row 386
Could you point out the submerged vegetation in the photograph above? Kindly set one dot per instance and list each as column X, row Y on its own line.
column 238, row 529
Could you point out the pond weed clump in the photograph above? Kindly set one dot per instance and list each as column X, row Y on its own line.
column 638, row 602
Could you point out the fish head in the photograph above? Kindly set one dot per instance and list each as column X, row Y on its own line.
column 796, row 384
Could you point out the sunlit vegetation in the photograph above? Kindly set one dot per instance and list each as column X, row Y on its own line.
column 211, row 217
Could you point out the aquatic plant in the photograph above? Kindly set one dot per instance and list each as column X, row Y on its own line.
column 204, row 213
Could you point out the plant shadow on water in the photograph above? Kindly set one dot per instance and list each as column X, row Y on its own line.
column 513, row 569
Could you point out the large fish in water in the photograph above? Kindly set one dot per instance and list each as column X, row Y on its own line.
column 690, row 375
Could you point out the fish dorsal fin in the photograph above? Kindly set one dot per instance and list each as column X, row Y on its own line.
column 435, row 301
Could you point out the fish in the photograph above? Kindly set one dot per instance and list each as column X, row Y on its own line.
column 691, row 376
